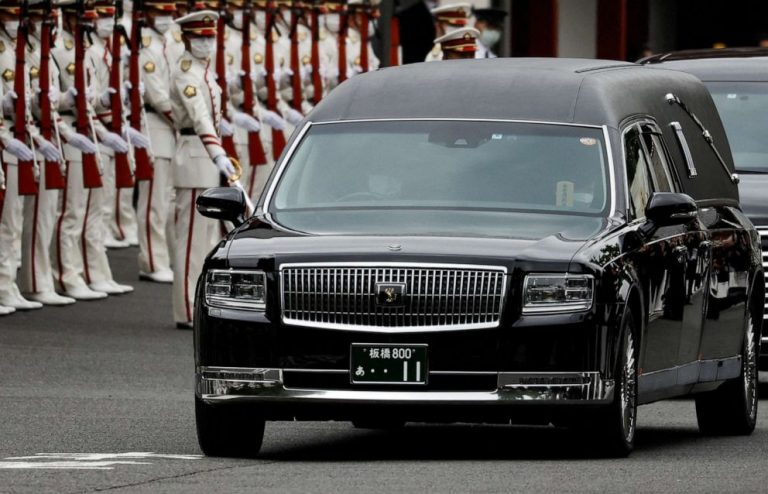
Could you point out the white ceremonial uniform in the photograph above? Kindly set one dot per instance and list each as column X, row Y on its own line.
column 354, row 49
column 483, row 51
column 174, row 44
column 40, row 211
column 103, row 205
column 435, row 54
column 196, row 103
column 155, row 196
column 11, row 223
column 71, row 242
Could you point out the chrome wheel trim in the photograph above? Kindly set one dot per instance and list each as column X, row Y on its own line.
column 749, row 369
column 628, row 392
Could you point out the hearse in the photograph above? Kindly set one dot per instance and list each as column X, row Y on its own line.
column 544, row 241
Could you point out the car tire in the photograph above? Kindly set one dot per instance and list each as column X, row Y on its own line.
column 228, row 430
column 731, row 409
column 616, row 426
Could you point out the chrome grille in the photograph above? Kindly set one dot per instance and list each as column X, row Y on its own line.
column 763, row 231
column 437, row 297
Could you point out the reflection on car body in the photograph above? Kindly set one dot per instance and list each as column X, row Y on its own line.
column 542, row 253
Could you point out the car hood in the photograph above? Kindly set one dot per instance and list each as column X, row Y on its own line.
column 261, row 243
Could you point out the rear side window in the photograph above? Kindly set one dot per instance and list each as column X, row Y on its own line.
column 657, row 159
column 638, row 174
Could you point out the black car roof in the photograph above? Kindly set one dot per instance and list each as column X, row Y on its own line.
column 595, row 92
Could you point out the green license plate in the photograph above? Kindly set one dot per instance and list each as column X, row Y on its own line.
column 384, row 363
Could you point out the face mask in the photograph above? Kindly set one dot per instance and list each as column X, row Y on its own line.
column 261, row 20
column 237, row 20
column 105, row 27
column 202, row 47
column 333, row 23
column 12, row 28
column 163, row 23
column 490, row 37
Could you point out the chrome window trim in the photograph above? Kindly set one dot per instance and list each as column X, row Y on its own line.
column 303, row 131
column 393, row 329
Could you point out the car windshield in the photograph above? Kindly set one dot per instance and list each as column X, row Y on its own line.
column 436, row 177
column 743, row 107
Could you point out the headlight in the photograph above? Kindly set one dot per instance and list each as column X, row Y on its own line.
column 236, row 289
column 557, row 293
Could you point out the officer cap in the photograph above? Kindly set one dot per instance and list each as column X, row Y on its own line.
column 161, row 5
column 201, row 24
column 461, row 40
column 70, row 6
column 105, row 8
column 10, row 7
column 455, row 14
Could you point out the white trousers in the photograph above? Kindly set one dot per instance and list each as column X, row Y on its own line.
column 195, row 237
column 78, row 255
column 153, row 215
column 123, row 219
column 11, row 226
column 40, row 211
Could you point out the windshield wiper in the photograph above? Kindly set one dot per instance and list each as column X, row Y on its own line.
column 758, row 170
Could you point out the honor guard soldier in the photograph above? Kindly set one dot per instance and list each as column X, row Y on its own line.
column 360, row 56
column 114, row 217
column 199, row 159
column 490, row 23
column 14, row 151
column 448, row 18
column 75, row 246
column 36, row 275
column 155, row 195
column 458, row 44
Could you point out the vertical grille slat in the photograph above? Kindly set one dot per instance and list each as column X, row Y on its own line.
column 436, row 296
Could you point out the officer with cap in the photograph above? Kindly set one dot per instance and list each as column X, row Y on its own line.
column 199, row 158
column 448, row 18
column 361, row 12
column 155, row 195
column 458, row 44
column 490, row 23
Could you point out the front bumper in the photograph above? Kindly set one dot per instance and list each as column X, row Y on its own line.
column 266, row 387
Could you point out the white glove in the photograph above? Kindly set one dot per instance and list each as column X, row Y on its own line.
column 273, row 119
column 114, row 142
column 82, row 143
column 136, row 138
column 225, row 166
column 106, row 97
column 226, row 128
column 9, row 102
column 69, row 96
column 294, row 117
column 48, row 150
column 246, row 121
column 128, row 86
column 20, row 150
column 54, row 95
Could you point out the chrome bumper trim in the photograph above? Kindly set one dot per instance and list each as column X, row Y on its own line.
column 220, row 384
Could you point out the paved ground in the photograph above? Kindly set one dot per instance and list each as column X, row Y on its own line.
column 99, row 397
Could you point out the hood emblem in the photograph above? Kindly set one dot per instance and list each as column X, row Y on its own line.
column 390, row 294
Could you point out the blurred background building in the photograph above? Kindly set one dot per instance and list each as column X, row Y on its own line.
column 613, row 29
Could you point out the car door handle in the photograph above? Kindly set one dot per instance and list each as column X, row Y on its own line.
column 680, row 254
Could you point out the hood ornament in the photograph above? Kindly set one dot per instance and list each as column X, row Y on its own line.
column 395, row 247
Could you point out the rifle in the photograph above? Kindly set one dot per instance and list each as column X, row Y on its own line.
column 227, row 142
column 278, row 138
column 364, row 37
column 317, row 83
column 27, row 182
column 123, row 165
column 91, row 170
column 342, row 42
column 144, row 169
column 54, row 178
column 256, row 154
column 295, row 62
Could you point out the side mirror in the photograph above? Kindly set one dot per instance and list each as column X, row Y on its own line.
column 670, row 208
column 223, row 203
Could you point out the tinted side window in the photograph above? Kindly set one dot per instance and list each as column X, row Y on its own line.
column 662, row 180
column 638, row 176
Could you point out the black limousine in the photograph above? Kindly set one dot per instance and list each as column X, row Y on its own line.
column 738, row 81
column 509, row 240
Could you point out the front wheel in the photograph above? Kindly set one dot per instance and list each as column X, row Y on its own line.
column 731, row 409
column 228, row 430
column 615, row 427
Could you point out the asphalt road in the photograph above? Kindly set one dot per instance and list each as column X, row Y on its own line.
column 99, row 397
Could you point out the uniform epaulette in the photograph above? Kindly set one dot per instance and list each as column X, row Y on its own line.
column 146, row 41
column 185, row 64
